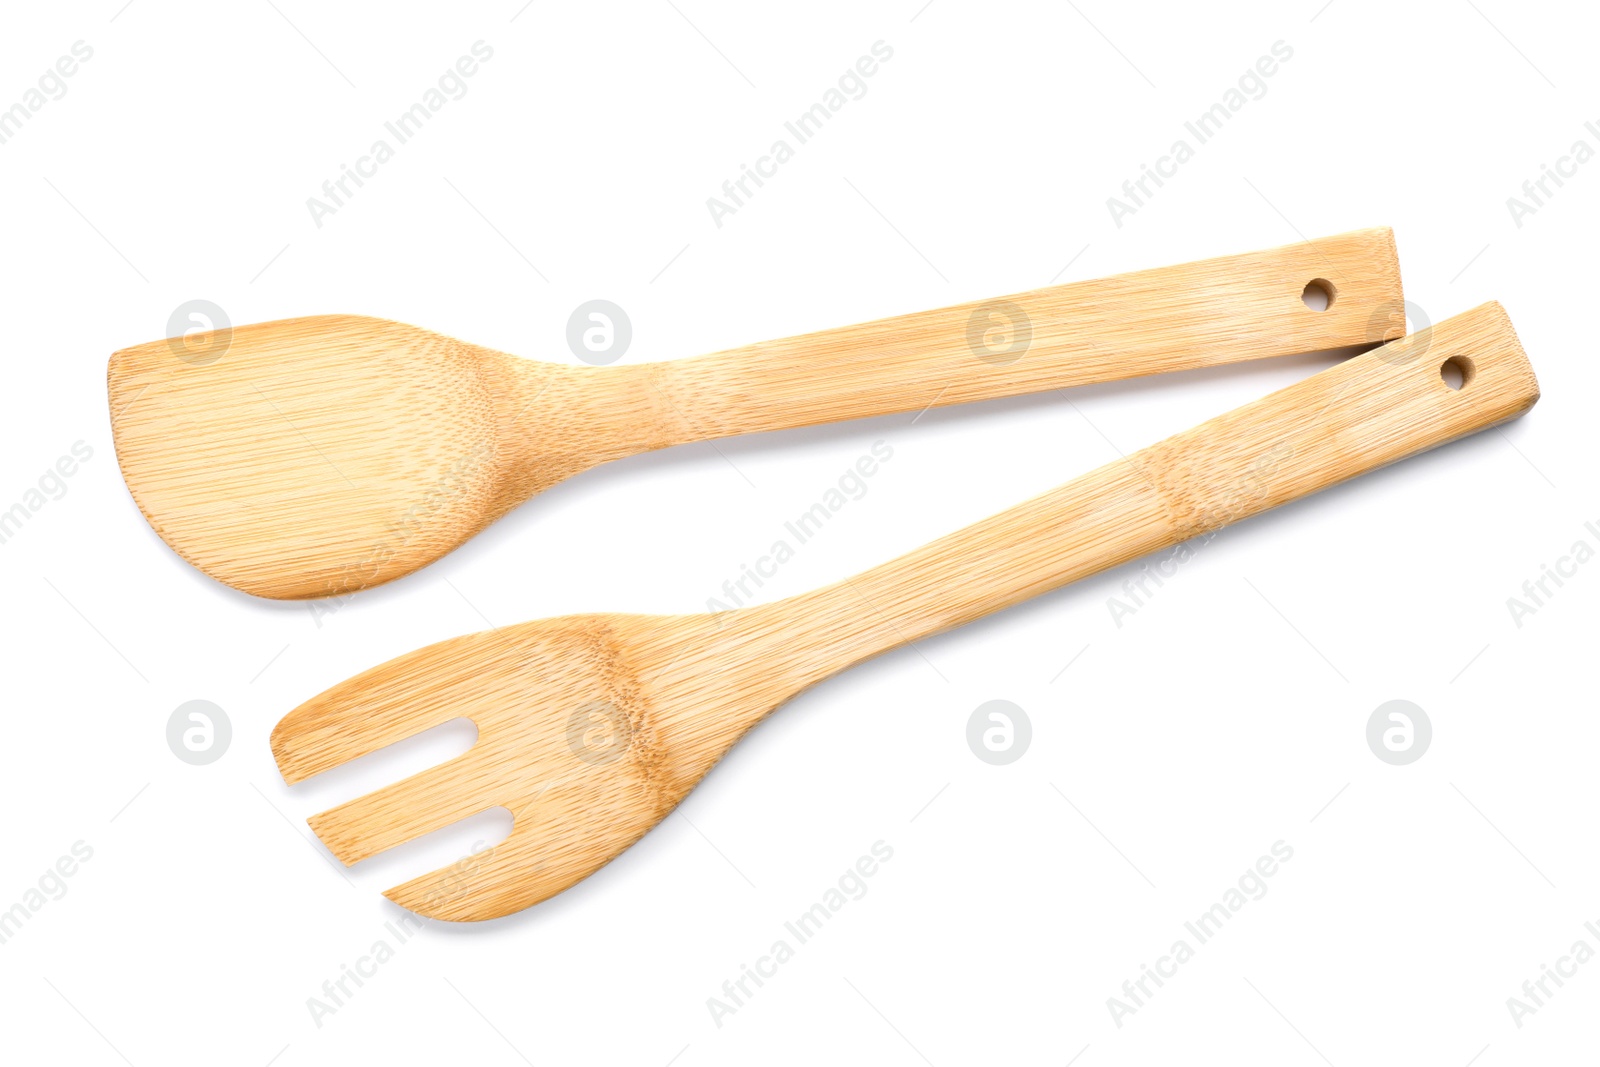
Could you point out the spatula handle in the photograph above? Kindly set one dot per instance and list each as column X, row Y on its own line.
column 1214, row 311
column 1355, row 417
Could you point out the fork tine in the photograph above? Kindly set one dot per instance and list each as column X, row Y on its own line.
column 426, row 801
column 498, row 881
column 558, row 837
column 388, row 703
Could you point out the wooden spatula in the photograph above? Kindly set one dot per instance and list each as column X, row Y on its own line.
column 320, row 456
column 592, row 727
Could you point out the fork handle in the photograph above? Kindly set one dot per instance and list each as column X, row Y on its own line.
column 1355, row 417
column 1201, row 314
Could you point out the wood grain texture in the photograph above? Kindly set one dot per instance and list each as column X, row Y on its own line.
column 591, row 728
column 321, row 456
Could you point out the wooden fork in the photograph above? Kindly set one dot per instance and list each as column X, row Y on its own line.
column 591, row 728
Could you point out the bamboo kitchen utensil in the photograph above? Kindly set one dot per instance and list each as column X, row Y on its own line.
column 320, row 456
column 591, row 728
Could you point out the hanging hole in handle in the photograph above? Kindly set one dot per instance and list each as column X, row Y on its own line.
column 1318, row 294
column 1456, row 371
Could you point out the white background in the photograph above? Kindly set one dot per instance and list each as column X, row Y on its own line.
column 1227, row 714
